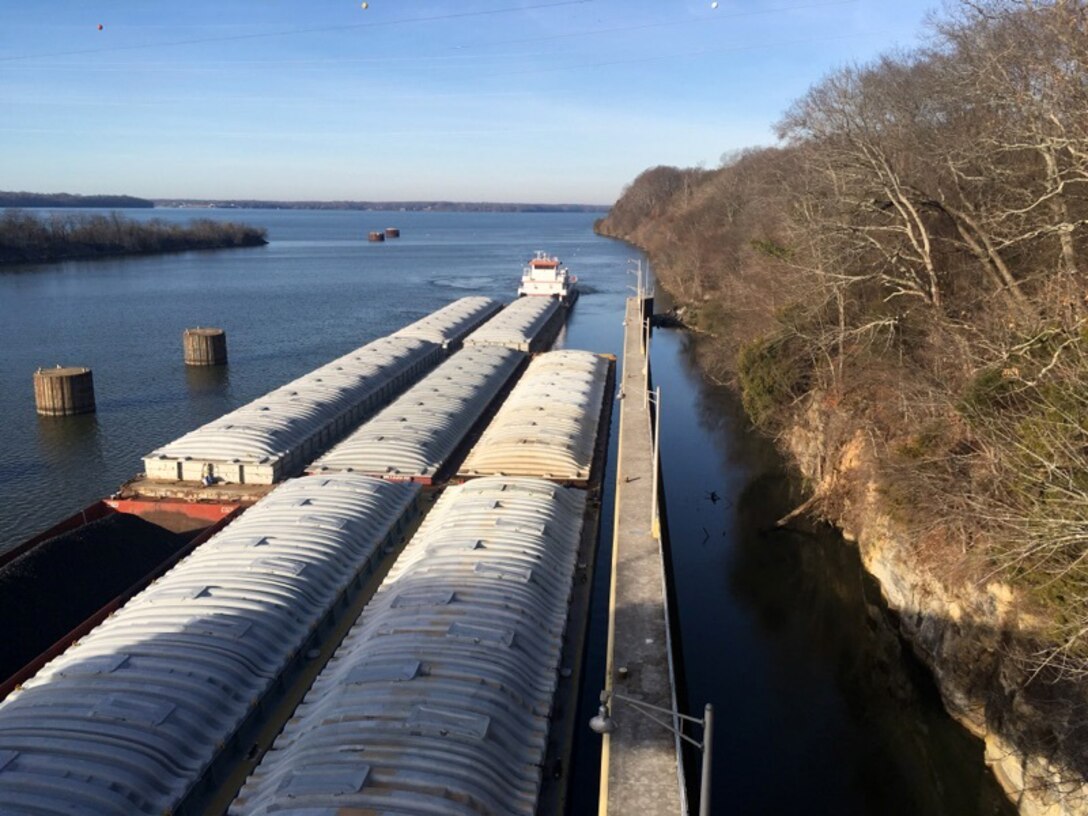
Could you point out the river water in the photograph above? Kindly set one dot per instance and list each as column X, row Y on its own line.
column 820, row 709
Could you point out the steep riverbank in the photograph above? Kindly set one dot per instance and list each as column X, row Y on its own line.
column 896, row 290
column 986, row 640
column 969, row 633
column 959, row 481
column 788, row 636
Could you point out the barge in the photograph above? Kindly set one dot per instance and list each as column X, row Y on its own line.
column 293, row 573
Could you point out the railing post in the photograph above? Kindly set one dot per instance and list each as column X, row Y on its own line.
column 655, row 520
column 645, row 326
column 704, row 783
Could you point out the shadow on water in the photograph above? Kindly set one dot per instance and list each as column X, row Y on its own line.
column 812, row 599
column 210, row 392
column 207, row 380
column 821, row 707
column 61, row 439
column 586, row 755
column 65, row 450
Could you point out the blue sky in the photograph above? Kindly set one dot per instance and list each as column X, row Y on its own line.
column 499, row 100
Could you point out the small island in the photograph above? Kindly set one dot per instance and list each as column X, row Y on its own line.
column 25, row 238
column 10, row 198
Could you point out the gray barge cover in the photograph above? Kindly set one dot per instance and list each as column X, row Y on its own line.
column 128, row 719
column 449, row 325
column 413, row 437
column 275, row 436
column 525, row 325
column 548, row 425
column 439, row 699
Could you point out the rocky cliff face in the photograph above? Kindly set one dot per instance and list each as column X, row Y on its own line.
column 966, row 630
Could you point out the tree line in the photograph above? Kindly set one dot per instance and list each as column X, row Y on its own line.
column 27, row 238
column 908, row 266
column 10, row 198
column 385, row 206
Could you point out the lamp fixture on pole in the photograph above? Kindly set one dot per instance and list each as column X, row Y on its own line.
column 602, row 723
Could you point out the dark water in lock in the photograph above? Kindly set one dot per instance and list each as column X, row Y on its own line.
column 819, row 709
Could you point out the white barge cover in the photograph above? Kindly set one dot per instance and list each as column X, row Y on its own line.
column 128, row 719
column 450, row 324
column 523, row 325
column 413, row 437
column 548, row 425
column 438, row 700
column 275, row 436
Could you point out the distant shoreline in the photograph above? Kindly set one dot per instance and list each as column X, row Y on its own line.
column 28, row 239
column 383, row 206
column 24, row 200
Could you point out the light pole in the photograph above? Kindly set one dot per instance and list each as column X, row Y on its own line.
column 603, row 723
column 654, row 398
column 638, row 274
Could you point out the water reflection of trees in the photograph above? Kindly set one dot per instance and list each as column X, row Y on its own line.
column 805, row 641
column 810, row 594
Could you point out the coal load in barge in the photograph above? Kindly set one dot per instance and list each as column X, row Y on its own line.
column 58, row 585
column 48, row 591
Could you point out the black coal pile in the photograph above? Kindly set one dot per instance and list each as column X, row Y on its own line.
column 48, row 591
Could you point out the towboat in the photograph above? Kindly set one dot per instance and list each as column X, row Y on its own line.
column 545, row 276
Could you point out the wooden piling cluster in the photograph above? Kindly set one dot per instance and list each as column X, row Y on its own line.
column 69, row 390
column 205, row 347
column 64, row 391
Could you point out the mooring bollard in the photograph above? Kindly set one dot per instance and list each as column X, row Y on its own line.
column 64, row 391
column 205, row 347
